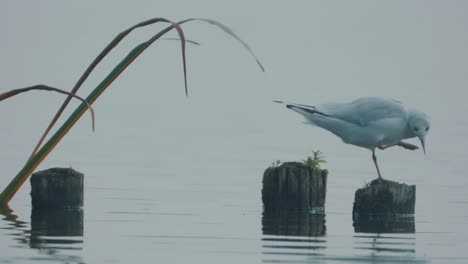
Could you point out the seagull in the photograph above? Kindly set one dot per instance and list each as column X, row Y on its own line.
column 369, row 122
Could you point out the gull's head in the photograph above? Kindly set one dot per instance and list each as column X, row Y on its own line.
column 419, row 125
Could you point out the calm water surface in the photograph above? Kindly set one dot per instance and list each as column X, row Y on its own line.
column 170, row 179
column 212, row 212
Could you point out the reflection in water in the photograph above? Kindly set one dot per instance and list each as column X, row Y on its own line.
column 382, row 224
column 389, row 238
column 394, row 248
column 293, row 223
column 386, row 244
column 298, row 223
column 300, row 237
column 57, row 222
column 19, row 227
column 57, row 234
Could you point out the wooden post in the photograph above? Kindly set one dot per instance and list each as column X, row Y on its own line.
column 384, row 206
column 57, row 188
column 294, row 185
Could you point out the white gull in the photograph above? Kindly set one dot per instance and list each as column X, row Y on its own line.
column 369, row 122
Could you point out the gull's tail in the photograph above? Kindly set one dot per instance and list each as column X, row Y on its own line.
column 318, row 118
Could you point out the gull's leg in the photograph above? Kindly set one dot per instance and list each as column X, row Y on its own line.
column 375, row 162
column 382, row 146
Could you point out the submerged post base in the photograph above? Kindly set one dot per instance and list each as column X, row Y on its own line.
column 293, row 222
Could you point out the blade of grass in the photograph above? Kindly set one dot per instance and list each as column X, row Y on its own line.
column 117, row 40
column 230, row 32
column 98, row 59
column 42, row 87
column 187, row 40
column 42, row 153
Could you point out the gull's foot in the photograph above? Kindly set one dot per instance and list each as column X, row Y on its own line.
column 407, row 145
column 376, row 181
column 381, row 147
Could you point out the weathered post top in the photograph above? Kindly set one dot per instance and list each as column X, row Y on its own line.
column 294, row 185
column 57, row 188
column 384, row 206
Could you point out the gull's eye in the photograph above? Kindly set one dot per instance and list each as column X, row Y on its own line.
column 416, row 129
column 427, row 129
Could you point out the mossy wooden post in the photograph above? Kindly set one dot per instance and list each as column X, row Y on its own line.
column 294, row 185
column 57, row 188
column 384, row 206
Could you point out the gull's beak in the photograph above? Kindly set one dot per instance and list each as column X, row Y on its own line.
column 423, row 143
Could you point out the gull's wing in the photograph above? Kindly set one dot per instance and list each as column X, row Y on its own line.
column 364, row 111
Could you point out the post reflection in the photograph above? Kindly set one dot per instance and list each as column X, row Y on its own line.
column 387, row 237
column 283, row 222
column 283, row 229
column 385, row 224
column 57, row 222
column 56, row 235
